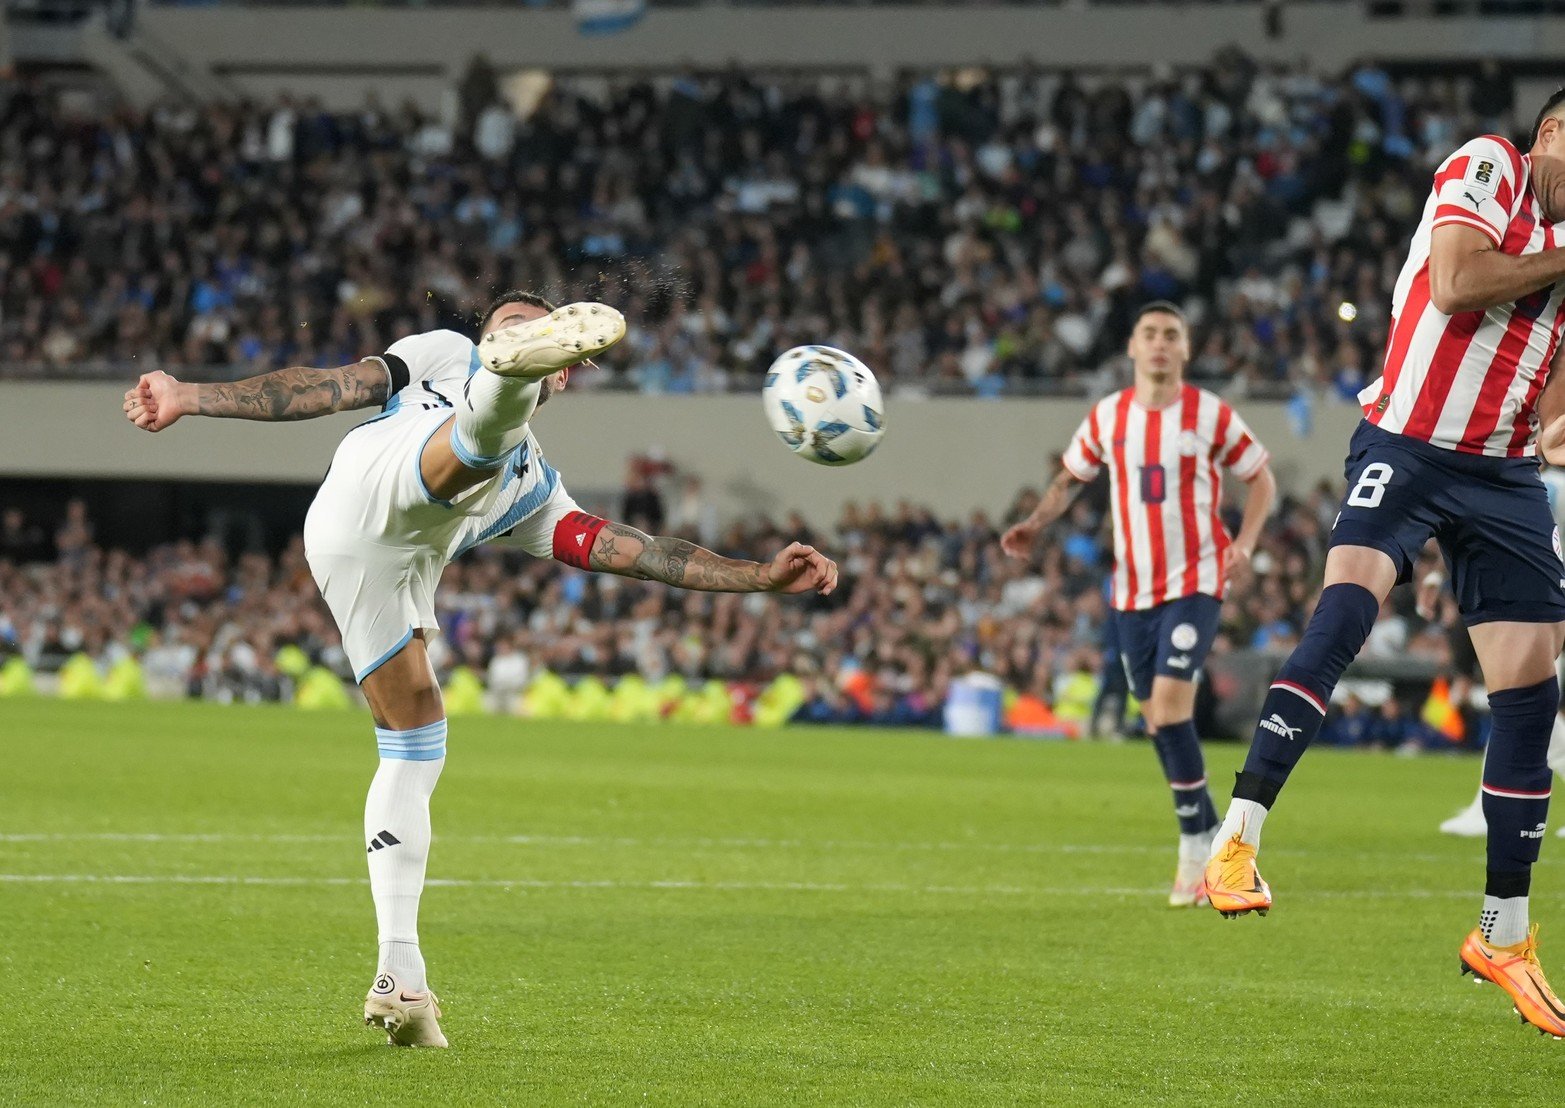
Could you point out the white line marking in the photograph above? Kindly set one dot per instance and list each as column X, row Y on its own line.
column 693, row 886
column 527, row 883
column 706, row 844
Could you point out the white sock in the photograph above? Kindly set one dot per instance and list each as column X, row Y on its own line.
column 491, row 418
column 1556, row 754
column 397, row 831
column 1196, row 848
column 1504, row 922
column 1244, row 819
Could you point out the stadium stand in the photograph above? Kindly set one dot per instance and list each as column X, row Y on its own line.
column 977, row 232
column 923, row 601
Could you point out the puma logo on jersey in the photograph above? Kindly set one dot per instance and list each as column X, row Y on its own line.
column 1279, row 726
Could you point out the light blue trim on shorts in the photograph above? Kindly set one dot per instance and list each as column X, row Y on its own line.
column 419, row 744
column 386, row 657
column 418, row 459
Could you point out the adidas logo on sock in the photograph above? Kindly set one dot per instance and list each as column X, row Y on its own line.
column 381, row 842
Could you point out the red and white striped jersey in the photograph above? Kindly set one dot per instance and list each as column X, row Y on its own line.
column 1165, row 489
column 1470, row 381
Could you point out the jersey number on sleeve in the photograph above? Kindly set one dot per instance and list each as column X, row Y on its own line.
column 1371, row 488
column 1154, row 485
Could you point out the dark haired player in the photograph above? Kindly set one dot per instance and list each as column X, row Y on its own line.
column 1164, row 443
column 1448, row 449
column 448, row 464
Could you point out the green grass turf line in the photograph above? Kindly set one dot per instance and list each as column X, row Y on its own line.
column 682, row 915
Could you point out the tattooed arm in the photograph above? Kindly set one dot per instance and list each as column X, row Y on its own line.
column 628, row 552
column 157, row 400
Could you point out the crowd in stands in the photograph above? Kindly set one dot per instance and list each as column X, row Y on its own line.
column 922, row 601
column 968, row 230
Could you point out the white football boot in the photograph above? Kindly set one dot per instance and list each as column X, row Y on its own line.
column 551, row 342
column 409, row 1018
column 1469, row 823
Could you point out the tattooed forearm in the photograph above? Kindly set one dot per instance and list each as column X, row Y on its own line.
column 631, row 553
column 296, row 393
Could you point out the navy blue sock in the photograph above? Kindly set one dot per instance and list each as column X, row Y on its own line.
column 1517, row 781
column 1179, row 749
column 1295, row 706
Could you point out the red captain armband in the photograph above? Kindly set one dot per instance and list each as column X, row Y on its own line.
column 574, row 536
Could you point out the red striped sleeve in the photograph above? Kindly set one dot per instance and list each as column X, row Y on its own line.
column 1093, row 446
column 1454, row 170
column 1231, row 459
column 1453, row 214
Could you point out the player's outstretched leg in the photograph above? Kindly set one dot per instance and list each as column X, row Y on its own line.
column 1291, row 717
column 1516, row 787
column 499, row 399
column 397, row 832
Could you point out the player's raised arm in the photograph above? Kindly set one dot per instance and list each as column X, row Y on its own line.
column 1479, row 191
column 158, row 400
column 1469, row 273
column 604, row 546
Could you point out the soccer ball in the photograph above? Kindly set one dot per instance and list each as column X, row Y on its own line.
column 824, row 404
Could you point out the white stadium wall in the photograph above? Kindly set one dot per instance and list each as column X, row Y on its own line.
column 955, row 455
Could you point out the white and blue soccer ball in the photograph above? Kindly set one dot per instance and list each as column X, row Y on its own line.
column 824, row 404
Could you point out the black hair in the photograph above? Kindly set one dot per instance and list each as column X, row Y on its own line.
column 512, row 296
column 1556, row 98
column 1166, row 306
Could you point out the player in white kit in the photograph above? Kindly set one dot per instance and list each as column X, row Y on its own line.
column 450, row 463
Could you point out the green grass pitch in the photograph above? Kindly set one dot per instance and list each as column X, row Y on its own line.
column 713, row 916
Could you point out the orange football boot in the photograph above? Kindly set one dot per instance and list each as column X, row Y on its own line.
column 1233, row 883
column 1516, row 970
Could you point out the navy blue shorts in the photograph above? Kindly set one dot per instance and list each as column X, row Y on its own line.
column 1170, row 640
column 1490, row 516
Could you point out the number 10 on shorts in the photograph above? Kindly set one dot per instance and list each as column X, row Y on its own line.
column 1371, row 487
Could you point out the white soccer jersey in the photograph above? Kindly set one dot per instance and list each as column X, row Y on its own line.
column 1470, row 381
column 1165, row 489
column 377, row 540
